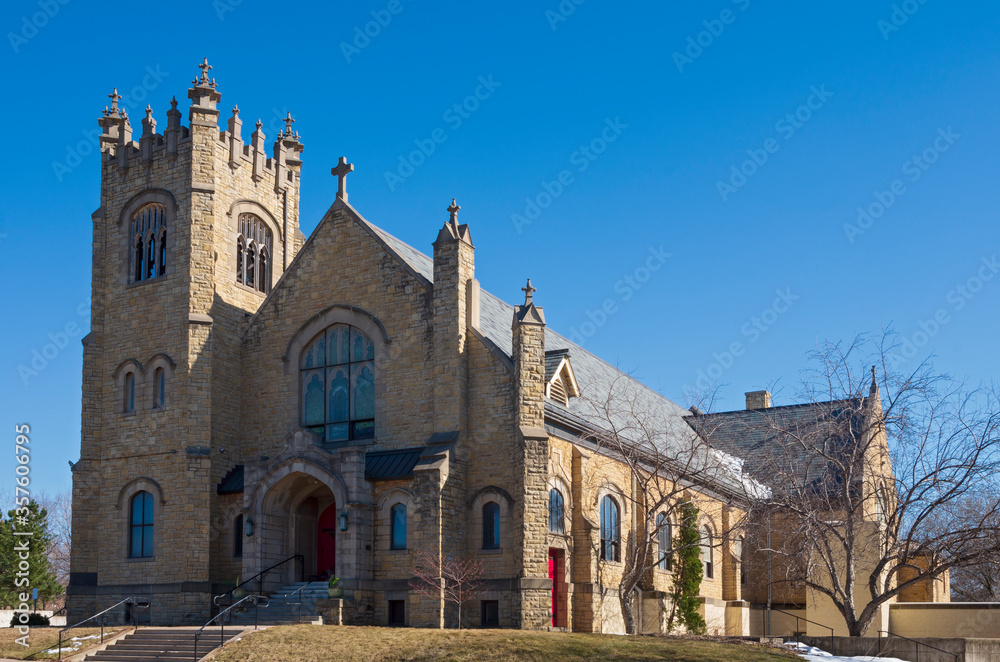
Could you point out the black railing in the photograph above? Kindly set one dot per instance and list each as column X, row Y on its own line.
column 256, row 599
column 138, row 603
column 259, row 578
column 917, row 645
column 797, row 631
column 299, row 592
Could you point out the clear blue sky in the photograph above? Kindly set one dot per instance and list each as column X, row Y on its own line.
column 879, row 97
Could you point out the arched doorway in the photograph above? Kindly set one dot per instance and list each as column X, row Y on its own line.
column 300, row 517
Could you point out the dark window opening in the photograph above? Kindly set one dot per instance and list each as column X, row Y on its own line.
column 397, row 613
column 491, row 525
column 491, row 613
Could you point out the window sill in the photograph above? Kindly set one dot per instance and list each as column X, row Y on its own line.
column 128, row 414
column 247, row 288
column 498, row 550
column 395, row 552
column 139, row 559
column 144, row 281
column 615, row 564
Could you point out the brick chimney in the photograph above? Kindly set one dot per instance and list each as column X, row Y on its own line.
column 758, row 399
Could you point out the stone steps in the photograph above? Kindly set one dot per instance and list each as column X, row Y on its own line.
column 147, row 644
column 284, row 610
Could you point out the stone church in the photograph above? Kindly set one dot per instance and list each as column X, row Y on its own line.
column 334, row 406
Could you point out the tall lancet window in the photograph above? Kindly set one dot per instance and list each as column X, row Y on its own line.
column 149, row 242
column 338, row 384
column 253, row 253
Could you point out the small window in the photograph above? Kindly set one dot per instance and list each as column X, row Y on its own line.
column 238, row 536
column 610, row 530
column 663, row 538
column 741, row 545
column 398, row 516
column 397, row 613
column 159, row 384
column 706, row 553
column 491, row 525
column 141, row 528
column 556, row 522
column 490, row 613
column 129, row 404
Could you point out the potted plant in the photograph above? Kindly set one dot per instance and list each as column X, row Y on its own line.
column 334, row 587
column 239, row 592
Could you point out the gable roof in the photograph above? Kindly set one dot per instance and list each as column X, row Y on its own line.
column 595, row 377
column 757, row 436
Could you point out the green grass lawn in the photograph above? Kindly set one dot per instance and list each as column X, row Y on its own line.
column 42, row 639
column 312, row 643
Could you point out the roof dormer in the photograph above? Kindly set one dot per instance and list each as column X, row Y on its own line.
column 560, row 382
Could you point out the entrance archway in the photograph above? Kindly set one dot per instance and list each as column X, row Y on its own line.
column 299, row 514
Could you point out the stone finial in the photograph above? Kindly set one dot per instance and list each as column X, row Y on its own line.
column 205, row 68
column 340, row 172
column 148, row 123
column 874, row 386
column 453, row 209
column 235, row 137
column 114, row 96
column 528, row 292
column 528, row 313
column 288, row 124
column 257, row 146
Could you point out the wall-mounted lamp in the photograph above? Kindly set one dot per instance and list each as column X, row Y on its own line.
column 248, row 527
column 343, row 520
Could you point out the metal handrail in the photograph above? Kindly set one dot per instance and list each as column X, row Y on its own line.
column 298, row 590
column 918, row 644
column 802, row 618
column 256, row 599
column 260, row 577
column 140, row 603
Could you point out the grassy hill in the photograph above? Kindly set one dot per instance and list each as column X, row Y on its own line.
column 310, row 643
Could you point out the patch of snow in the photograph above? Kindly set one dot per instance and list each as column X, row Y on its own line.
column 734, row 465
column 814, row 654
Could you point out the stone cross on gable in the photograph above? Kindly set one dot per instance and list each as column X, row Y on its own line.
column 528, row 291
column 114, row 96
column 343, row 167
column 453, row 210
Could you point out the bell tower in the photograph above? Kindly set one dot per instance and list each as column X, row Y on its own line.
column 193, row 230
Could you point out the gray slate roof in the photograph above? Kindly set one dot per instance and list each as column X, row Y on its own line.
column 595, row 377
column 553, row 358
column 383, row 465
column 768, row 440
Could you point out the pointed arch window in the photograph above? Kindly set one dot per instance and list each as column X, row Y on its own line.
column 253, row 253
column 148, row 230
column 141, row 525
column 337, row 377
column 610, row 530
column 663, row 538
column 129, row 404
column 491, row 525
column 707, row 559
column 397, row 515
column 159, row 388
column 556, row 522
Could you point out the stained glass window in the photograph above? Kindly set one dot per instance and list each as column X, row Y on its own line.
column 398, row 517
column 338, row 384
column 556, row 521
column 491, row 525
column 610, row 530
column 141, row 530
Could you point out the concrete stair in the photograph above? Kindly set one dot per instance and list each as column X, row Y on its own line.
column 147, row 644
column 285, row 610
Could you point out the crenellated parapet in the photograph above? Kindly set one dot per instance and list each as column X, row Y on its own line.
column 281, row 168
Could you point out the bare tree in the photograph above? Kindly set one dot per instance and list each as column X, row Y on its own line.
column 60, row 512
column 867, row 477
column 453, row 578
column 664, row 461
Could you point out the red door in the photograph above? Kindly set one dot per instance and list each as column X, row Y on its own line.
column 326, row 542
column 553, row 565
